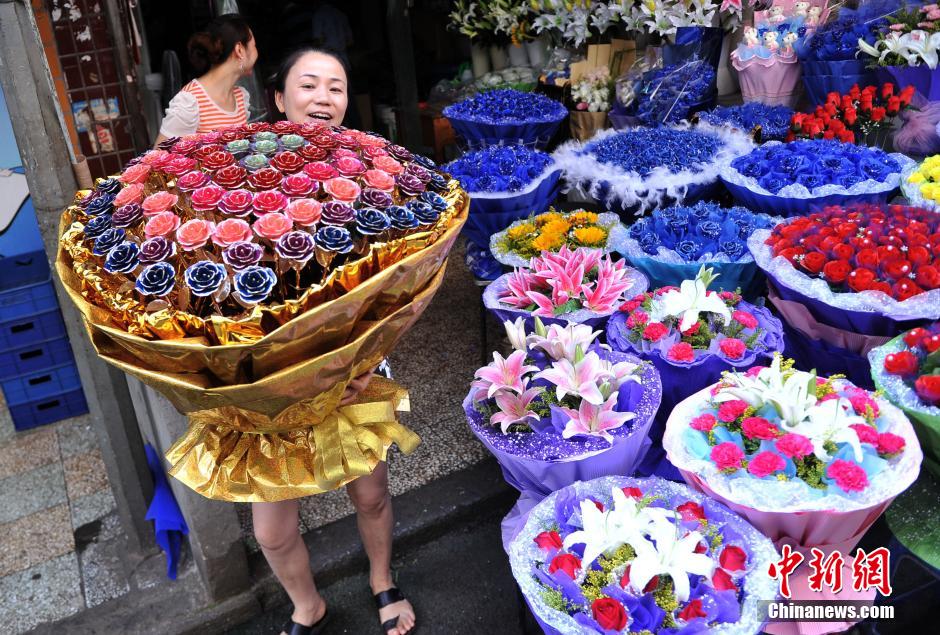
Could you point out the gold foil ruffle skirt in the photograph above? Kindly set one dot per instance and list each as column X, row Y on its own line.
column 220, row 459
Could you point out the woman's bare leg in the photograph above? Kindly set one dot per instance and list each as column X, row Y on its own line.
column 370, row 496
column 277, row 530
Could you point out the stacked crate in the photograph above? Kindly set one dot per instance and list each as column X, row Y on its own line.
column 37, row 371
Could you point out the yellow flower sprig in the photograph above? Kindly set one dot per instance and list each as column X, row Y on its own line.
column 551, row 230
column 927, row 176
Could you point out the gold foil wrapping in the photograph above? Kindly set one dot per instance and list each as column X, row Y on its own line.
column 262, row 392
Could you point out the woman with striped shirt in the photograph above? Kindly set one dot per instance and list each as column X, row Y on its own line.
column 221, row 54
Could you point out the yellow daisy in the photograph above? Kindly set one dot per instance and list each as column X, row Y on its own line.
column 548, row 242
column 590, row 236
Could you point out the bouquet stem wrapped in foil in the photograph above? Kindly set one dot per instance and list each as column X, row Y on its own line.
column 262, row 391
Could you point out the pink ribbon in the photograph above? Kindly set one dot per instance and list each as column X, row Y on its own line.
column 799, row 317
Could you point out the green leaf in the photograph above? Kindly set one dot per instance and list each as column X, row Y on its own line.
column 568, row 307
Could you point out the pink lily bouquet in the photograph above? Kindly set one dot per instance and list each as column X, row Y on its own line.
column 573, row 285
column 558, row 398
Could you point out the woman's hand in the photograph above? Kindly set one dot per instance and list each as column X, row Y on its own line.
column 356, row 386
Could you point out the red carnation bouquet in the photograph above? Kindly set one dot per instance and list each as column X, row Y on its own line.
column 893, row 249
column 850, row 118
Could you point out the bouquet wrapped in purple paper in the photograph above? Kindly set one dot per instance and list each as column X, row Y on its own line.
column 561, row 408
column 618, row 555
column 692, row 335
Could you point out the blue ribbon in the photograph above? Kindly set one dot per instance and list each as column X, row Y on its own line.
column 169, row 524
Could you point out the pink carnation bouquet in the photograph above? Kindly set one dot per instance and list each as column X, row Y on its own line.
column 810, row 462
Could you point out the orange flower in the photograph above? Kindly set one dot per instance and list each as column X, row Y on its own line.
column 590, row 236
column 157, row 203
column 131, row 194
column 548, row 242
column 379, row 179
column 304, row 211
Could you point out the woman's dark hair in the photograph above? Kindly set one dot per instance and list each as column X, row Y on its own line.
column 213, row 46
column 280, row 78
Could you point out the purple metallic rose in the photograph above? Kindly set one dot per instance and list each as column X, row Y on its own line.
column 242, row 254
column 156, row 249
column 416, row 170
column 297, row 246
column 409, row 184
column 127, row 216
column 372, row 197
column 337, row 213
column 400, row 153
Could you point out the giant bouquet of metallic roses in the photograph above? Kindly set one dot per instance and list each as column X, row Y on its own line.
column 622, row 555
column 249, row 275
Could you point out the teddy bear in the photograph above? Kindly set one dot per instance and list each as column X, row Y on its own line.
column 770, row 41
column 788, row 41
column 813, row 16
column 800, row 9
column 750, row 36
column 776, row 15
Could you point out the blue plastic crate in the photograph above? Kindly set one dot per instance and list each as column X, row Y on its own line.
column 22, row 255
column 35, row 357
column 29, row 329
column 27, row 300
column 40, row 385
column 48, row 410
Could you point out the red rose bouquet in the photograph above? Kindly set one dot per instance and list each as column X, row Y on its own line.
column 846, row 280
column 853, row 117
column 618, row 555
column 907, row 369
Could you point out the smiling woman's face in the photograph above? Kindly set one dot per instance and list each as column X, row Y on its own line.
column 315, row 90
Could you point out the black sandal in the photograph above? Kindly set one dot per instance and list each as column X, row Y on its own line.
column 293, row 628
column 386, row 597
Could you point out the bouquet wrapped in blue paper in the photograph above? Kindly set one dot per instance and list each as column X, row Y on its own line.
column 505, row 183
column 774, row 121
column 790, row 179
column 666, row 95
column 829, row 58
column 619, row 555
column 671, row 244
column 639, row 169
column 529, row 237
column 506, row 116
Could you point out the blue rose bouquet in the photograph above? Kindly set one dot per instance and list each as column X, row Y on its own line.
column 505, row 183
column 791, row 178
column 641, row 168
column 829, row 57
column 774, row 121
column 671, row 244
column 618, row 555
column 670, row 94
column 506, row 116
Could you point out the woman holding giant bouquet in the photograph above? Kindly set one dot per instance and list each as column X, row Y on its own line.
column 311, row 85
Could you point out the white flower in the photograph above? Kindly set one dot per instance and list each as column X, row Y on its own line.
column 830, row 421
column 669, row 554
column 625, row 523
column 689, row 300
column 515, row 331
column 791, row 393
